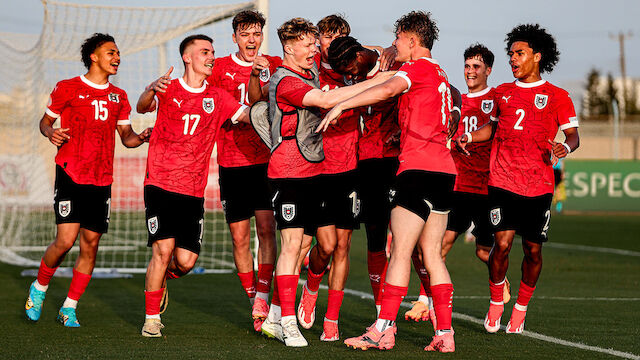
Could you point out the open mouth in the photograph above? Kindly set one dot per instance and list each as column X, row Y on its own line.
column 210, row 66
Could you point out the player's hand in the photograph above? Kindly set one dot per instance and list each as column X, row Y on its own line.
column 388, row 58
column 330, row 119
column 145, row 135
column 59, row 136
column 260, row 63
column 393, row 138
column 160, row 85
column 461, row 144
column 453, row 124
column 557, row 149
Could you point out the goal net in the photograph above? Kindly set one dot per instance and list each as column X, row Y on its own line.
column 148, row 40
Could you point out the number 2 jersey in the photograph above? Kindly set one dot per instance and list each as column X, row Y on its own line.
column 91, row 112
column 182, row 140
column 239, row 144
column 528, row 115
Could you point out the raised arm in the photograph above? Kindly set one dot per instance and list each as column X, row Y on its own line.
column 329, row 99
column 146, row 101
column 255, row 91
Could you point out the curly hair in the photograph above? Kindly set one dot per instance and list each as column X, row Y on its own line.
column 246, row 18
column 296, row 29
column 539, row 40
column 480, row 50
column 421, row 24
column 90, row 45
column 333, row 24
column 343, row 52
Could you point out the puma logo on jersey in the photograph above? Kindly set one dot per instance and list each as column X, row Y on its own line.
column 178, row 102
column 506, row 98
column 231, row 76
column 83, row 96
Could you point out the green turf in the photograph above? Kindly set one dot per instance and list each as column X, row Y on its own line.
column 208, row 315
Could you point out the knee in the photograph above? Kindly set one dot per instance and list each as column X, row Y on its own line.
column 326, row 248
column 533, row 253
column 266, row 231
column 184, row 267
column 241, row 239
column 162, row 255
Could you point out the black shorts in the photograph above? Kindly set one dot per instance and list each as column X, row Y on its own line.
column 172, row 215
column 88, row 205
column 376, row 177
column 340, row 200
column 528, row 216
column 296, row 202
column 423, row 192
column 467, row 208
column 243, row 190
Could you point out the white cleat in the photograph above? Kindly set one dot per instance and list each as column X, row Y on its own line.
column 291, row 334
column 272, row 329
column 151, row 328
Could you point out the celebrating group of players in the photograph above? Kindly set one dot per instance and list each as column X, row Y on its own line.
column 332, row 139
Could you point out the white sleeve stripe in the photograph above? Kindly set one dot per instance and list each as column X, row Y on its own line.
column 234, row 118
column 569, row 125
column 124, row 122
column 51, row 113
column 403, row 74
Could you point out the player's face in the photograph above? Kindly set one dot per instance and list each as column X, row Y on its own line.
column 476, row 73
column 402, row 44
column 325, row 42
column 524, row 62
column 249, row 40
column 355, row 71
column 107, row 57
column 303, row 51
column 200, row 56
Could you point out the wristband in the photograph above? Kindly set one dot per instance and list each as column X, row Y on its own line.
column 469, row 137
column 455, row 108
column 567, row 147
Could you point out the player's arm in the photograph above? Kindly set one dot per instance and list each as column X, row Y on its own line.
column 329, row 99
column 57, row 136
column 373, row 95
column 484, row 133
column 146, row 101
column 242, row 115
column 255, row 91
column 129, row 137
column 455, row 112
column 570, row 144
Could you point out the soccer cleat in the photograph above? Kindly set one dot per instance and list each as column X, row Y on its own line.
column 330, row 330
column 307, row 308
column 492, row 319
column 272, row 329
column 152, row 327
column 67, row 316
column 164, row 303
column 516, row 322
column 257, row 324
column 506, row 292
column 442, row 343
column 33, row 307
column 373, row 338
column 291, row 334
column 417, row 312
column 260, row 309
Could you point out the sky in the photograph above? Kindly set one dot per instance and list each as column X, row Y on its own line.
column 582, row 28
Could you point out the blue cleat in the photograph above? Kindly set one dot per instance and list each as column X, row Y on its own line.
column 67, row 316
column 33, row 306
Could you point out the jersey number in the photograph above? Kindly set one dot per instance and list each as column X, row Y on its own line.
column 100, row 110
column 520, row 113
column 195, row 118
column 244, row 95
column 470, row 123
column 444, row 90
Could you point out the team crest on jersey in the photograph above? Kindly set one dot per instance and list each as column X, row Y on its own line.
column 392, row 194
column 152, row 225
column 64, row 208
column 541, row 101
column 265, row 75
column 487, row 106
column 288, row 211
column 224, row 205
column 207, row 105
column 495, row 216
column 347, row 82
column 113, row 97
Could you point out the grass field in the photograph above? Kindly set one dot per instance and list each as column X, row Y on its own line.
column 586, row 294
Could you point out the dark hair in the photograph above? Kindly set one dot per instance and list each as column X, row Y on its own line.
column 343, row 51
column 190, row 39
column 480, row 50
column 334, row 24
column 539, row 40
column 246, row 18
column 295, row 29
column 90, row 45
column 421, row 24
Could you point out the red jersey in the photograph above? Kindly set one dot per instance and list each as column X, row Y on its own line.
column 91, row 112
column 378, row 125
column 528, row 115
column 473, row 171
column 239, row 144
column 286, row 161
column 340, row 141
column 184, row 134
column 423, row 115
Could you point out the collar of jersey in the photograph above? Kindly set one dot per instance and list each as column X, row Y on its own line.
column 479, row 93
column 530, row 85
column 94, row 85
column 433, row 61
column 237, row 60
column 307, row 76
column 193, row 90
column 325, row 65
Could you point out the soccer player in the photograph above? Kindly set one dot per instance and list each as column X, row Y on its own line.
column 527, row 113
column 426, row 175
column 90, row 109
column 190, row 113
column 243, row 158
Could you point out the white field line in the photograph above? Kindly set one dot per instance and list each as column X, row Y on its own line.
column 592, row 249
column 567, row 298
column 459, row 316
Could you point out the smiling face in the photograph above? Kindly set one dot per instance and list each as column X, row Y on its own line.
column 403, row 46
column 249, row 40
column 476, row 73
column 301, row 52
column 107, row 58
column 525, row 64
column 200, row 56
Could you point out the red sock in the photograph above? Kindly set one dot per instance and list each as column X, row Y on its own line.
column 376, row 263
column 79, row 283
column 333, row 304
column 287, row 287
column 496, row 291
column 248, row 281
column 45, row 273
column 171, row 275
column 425, row 281
column 443, row 305
column 524, row 294
column 265, row 274
column 275, row 299
column 152, row 301
column 392, row 297
column 313, row 280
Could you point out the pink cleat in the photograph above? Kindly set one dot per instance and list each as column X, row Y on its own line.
column 330, row 330
column 260, row 309
column 307, row 308
column 516, row 322
column 442, row 343
column 373, row 338
column 492, row 320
